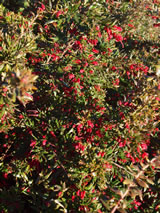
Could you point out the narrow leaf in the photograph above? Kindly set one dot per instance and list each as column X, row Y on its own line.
column 142, row 183
column 129, row 182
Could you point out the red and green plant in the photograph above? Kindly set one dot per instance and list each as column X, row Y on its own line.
column 80, row 107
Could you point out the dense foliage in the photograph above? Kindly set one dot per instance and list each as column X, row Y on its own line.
column 79, row 106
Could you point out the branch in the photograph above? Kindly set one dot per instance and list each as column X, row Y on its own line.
column 131, row 184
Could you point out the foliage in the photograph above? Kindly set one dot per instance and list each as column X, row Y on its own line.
column 88, row 140
column 17, row 80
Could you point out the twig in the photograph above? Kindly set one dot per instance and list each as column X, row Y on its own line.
column 131, row 184
column 122, row 168
column 70, row 44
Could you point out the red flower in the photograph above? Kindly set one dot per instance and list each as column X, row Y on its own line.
column 44, row 142
column 116, row 82
column 122, row 115
column 89, row 130
column 144, row 146
column 59, row 194
column 118, row 38
column 98, row 133
column 108, row 166
column 93, row 41
column 114, row 68
column 90, row 123
column 77, row 61
column 95, row 63
column 157, row 25
column 5, row 175
column 101, row 154
column 81, row 71
column 21, row 116
column 109, row 51
column 77, row 138
column 33, row 143
column 109, row 32
column 81, row 194
column 95, row 51
column 122, row 143
column 73, row 198
column 97, row 87
column 131, row 25
column 79, row 127
column 71, row 75
column 58, row 13
column 144, row 155
column 42, row 8
column 127, row 126
column 117, row 28
column 79, row 146
column 91, row 71
column 78, row 193
column 99, row 34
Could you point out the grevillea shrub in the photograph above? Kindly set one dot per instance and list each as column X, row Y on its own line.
column 16, row 79
column 88, row 141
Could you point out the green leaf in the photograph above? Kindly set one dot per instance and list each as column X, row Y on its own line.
column 47, row 176
column 2, row 112
column 142, row 183
column 1, row 67
column 50, row 22
column 129, row 182
column 89, row 187
column 150, row 181
column 24, row 177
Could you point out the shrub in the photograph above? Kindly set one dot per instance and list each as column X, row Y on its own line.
column 17, row 79
column 88, row 141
